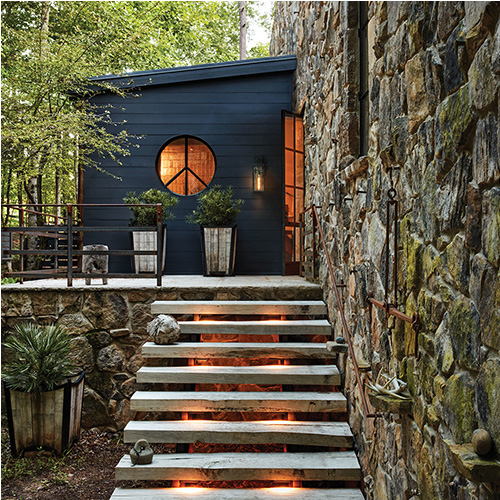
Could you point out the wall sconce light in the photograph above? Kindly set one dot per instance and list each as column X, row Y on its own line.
column 258, row 174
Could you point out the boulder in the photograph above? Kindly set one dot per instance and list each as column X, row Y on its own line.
column 164, row 329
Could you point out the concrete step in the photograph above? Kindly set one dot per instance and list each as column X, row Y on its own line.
column 306, row 402
column 326, row 466
column 269, row 374
column 263, row 307
column 267, row 327
column 335, row 434
column 273, row 350
column 236, row 494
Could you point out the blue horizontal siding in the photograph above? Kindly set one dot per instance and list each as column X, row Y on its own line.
column 240, row 118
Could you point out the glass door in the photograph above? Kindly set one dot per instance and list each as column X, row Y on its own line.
column 293, row 153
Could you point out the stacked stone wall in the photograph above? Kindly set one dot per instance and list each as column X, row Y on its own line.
column 434, row 78
column 109, row 327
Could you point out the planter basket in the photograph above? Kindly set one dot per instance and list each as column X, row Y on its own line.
column 49, row 420
column 146, row 241
column 218, row 245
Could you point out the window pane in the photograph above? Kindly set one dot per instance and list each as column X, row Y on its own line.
column 186, row 166
column 201, row 161
column 299, row 134
column 299, row 169
column 289, row 132
column 172, row 160
column 289, row 169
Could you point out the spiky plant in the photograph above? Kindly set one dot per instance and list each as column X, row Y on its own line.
column 40, row 358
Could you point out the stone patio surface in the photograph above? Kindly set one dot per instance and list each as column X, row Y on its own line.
column 169, row 283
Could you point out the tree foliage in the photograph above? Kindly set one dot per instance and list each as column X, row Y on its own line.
column 49, row 51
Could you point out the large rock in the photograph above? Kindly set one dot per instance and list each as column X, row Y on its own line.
column 488, row 398
column 451, row 195
column 473, row 220
column 76, row 324
column 423, row 78
column 486, row 157
column 490, row 233
column 95, row 410
column 456, row 260
column 483, row 85
column 465, row 332
column 111, row 359
column 164, row 329
column 449, row 14
column 484, row 289
column 83, row 353
column 454, row 124
column 459, row 407
column 453, row 75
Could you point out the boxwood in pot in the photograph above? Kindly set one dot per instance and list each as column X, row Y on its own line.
column 146, row 216
column 216, row 214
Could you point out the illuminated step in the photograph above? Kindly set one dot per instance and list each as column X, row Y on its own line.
column 238, row 401
column 236, row 494
column 200, row 350
column 336, row 434
column 326, row 466
column 266, row 327
column 261, row 307
column 269, row 375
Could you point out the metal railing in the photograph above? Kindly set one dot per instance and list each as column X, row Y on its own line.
column 316, row 227
column 64, row 229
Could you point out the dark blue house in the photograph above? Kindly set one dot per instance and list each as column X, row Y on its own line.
column 216, row 118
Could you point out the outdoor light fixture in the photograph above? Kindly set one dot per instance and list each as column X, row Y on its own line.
column 258, row 174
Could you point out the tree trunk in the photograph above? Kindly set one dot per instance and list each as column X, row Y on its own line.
column 243, row 30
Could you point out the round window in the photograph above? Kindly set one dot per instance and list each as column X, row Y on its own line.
column 186, row 165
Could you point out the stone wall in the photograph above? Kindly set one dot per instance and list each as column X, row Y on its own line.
column 109, row 327
column 434, row 75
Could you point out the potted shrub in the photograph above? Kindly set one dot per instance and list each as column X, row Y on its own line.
column 43, row 391
column 216, row 214
column 146, row 217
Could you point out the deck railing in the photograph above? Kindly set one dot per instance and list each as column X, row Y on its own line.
column 317, row 229
column 71, row 229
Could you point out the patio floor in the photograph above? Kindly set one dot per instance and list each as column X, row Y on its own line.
column 170, row 282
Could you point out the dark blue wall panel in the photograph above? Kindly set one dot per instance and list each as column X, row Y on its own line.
column 240, row 118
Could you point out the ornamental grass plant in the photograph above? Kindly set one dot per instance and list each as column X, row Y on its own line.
column 40, row 357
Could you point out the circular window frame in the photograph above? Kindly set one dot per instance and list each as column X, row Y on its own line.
column 186, row 137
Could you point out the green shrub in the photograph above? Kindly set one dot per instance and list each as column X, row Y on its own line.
column 216, row 207
column 146, row 216
column 40, row 358
column 9, row 281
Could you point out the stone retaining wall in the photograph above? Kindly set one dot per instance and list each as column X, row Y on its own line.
column 109, row 327
column 434, row 75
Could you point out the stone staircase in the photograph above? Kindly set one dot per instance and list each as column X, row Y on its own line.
column 317, row 461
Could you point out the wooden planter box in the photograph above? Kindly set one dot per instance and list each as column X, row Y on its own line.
column 49, row 420
column 146, row 241
column 218, row 245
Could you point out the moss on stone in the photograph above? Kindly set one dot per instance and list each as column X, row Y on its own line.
column 430, row 261
column 455, row 120
column 414, row 254
column 459, row 407
column 488, row 399
column 465, row 333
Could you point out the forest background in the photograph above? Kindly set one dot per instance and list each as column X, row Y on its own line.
column 50, row 49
